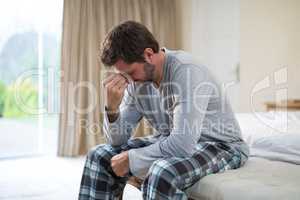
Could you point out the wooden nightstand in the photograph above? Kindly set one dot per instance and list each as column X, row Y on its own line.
column 289, row 105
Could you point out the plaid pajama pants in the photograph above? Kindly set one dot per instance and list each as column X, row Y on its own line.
column 167, row 178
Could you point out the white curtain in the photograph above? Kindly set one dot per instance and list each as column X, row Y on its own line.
column 85, row 24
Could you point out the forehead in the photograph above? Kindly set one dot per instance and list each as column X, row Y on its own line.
column 120, row 65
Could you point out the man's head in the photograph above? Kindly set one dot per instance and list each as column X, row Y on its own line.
column 132, row 49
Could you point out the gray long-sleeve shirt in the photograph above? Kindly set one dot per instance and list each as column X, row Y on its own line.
column 187, row 108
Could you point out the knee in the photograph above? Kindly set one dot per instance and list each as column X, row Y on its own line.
column 162, row 169
column 100, row 153
column 161, row 177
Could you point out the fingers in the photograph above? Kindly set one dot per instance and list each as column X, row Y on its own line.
column 113, row 79
column 113, row 82
column 118, row 82
column 110, row 76
column 117, row 86
column 127, row 77
column 119, row 164
column 114, row 87
column 121, row 84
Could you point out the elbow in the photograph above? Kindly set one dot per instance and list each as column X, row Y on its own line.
column 115, row 139
column 112, row 138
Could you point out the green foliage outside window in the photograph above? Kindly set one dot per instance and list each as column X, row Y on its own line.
column 19, row 100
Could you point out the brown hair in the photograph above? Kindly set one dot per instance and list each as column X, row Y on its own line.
column 127, row 41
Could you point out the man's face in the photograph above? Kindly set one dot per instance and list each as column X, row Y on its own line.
column 140, row 72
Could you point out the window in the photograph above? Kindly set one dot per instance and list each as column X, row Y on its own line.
column 30, row 40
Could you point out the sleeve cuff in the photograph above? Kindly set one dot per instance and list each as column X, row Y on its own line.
column 108, row 127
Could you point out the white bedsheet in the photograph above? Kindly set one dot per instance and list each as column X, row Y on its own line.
column 258, row 179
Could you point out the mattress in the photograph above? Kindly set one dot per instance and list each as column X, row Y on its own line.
column 258, row 179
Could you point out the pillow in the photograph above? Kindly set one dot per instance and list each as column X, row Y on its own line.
column 265, row 124
column 281, row 147
column 286, row 143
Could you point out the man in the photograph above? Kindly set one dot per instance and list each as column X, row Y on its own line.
column 195, row 131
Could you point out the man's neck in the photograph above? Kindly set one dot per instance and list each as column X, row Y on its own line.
column 159, row 69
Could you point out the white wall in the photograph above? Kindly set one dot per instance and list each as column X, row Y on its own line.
column 270, row 41
column 262, row 35
column 210, row 31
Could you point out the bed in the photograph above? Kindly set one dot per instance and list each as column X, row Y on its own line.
column 259, row 179
column 273, row 169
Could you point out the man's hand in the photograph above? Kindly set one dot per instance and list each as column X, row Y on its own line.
column 114, row 85
column 120, row 164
